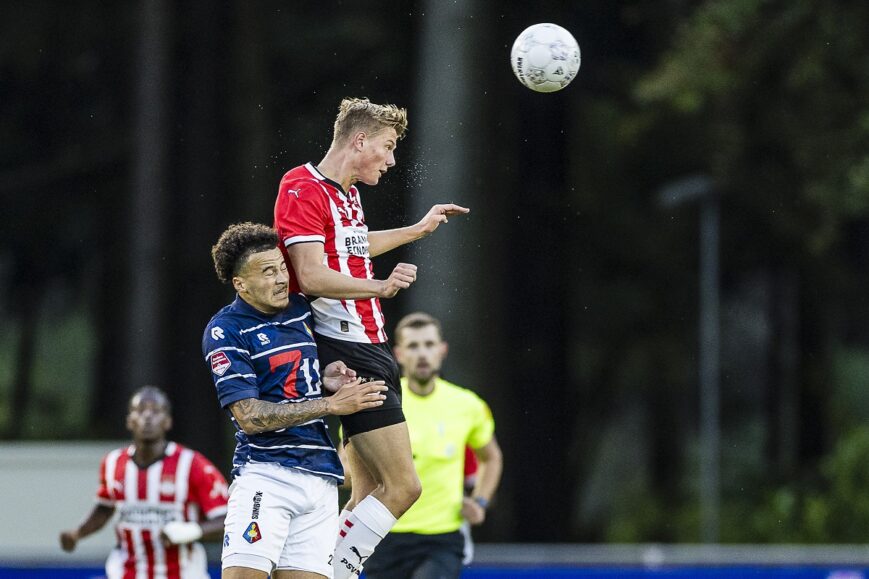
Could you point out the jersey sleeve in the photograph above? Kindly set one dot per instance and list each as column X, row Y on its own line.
column 104, row 494
column 229, row 360
column 208, row 487
column 470, row 461
column 302, row 212
column 483, row 428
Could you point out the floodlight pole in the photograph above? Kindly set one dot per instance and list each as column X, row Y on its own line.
column 710, row 342
column 702, row 189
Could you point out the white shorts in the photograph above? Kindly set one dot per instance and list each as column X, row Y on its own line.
column 281, row 515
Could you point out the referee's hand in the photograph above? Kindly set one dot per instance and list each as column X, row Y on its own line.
column 355, row 396
column 472, row 511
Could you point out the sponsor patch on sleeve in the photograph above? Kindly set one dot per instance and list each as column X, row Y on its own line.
column 220, row 363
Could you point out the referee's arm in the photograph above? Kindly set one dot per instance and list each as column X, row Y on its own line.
column 488, row 478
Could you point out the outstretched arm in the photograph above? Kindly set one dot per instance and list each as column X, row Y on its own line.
column 256, row 416
column 316, row 279
column 95, row 521
column 379, row 242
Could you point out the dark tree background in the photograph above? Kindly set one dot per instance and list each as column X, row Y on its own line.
column 133, row 133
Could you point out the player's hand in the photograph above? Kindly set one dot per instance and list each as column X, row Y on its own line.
column 68, row 540
column 437, row 215
column 336, row 375
column 401, row 277
column 356, row 396
column 472, row 511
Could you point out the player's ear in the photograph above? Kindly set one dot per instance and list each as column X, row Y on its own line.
column 359, row 140
column 168, row 423
column 238, row 283
column 445, row 348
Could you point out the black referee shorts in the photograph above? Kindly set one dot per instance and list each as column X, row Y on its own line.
column 403, row 555
column 371, row 361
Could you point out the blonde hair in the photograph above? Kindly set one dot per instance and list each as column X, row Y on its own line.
column 356, row 115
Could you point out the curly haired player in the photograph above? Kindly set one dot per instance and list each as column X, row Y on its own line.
column 283, row 503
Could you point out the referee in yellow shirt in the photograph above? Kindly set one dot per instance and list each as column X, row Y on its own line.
column 442, row 418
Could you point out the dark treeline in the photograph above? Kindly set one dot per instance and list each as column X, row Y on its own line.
column 133, row 133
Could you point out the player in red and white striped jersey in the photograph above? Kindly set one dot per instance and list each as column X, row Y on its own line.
column 167, row 496
column 327, row 246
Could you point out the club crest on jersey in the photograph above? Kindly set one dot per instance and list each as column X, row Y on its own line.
column 220, row 363
column 217, row 333
column 263, row 339
column 252, row 534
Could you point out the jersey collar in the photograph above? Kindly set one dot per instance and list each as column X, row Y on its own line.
column 319, row 176
column 242, row 306
column 296, row 306
column 406, row 388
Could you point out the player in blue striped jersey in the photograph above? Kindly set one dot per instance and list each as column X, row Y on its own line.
column 282, row 516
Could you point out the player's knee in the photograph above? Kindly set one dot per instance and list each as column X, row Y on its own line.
column 409, row 490
column 414, row 489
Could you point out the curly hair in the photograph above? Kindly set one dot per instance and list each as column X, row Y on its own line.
column 356, row 114
column 237, row 243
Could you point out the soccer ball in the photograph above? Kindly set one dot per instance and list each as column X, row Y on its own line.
column 545, row 57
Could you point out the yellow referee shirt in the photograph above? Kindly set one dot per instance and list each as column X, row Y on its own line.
column 440, row 426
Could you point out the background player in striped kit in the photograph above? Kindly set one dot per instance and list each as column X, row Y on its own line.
column 321, row 224
column 283, row 504
column 167, row 497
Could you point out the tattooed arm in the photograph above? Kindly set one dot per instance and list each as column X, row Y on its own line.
column 257, row 416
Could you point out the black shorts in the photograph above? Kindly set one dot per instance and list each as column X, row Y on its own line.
column 372, row 361
column 403, row 555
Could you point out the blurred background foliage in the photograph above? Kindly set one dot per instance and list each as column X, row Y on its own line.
column 580, row 327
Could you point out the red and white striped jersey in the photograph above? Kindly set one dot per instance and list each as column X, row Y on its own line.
column 313, row 208
column 182, row 486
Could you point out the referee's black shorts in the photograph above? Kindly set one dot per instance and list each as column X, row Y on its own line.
column 403, row 555
column 371, row 361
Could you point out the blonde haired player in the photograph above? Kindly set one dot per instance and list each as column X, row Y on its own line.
column 322, row 230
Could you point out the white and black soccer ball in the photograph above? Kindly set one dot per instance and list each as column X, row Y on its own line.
column 545, row 57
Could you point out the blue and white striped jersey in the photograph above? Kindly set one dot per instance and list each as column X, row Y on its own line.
column 272, row 358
